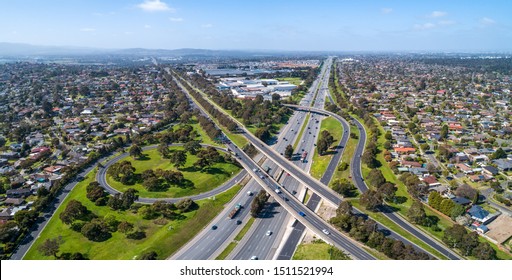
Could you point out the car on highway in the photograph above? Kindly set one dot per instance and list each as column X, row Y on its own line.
column 278, row 191
column 214, row 227
column 254, row 258
column 302, row 214
column 269, row 233
column 249, row 193
column 262, row 177
column 326, row 231
column 238, row 222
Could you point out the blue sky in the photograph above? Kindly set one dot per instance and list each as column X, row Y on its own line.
column 384, row 25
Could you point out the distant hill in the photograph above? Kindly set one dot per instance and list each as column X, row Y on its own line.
column 18, row 49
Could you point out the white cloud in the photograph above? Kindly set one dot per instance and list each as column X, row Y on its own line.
column 87, row 29
column 424, row 26
column 437, row 14
column 487, row 21
column 154, row 6
column 147, row 26
column 208, row 25
column 386, row 10
column 128, row 33
column 175, row 19
column 446, row 22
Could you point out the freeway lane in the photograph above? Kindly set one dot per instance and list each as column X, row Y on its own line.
column 256, row 242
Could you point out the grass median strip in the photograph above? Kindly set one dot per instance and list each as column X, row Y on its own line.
column 320, row 163
column 245, row 229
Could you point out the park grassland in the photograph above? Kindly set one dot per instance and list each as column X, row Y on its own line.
column 320, row 163
column 348, row 154
column 317, row 250
column 205, row 181
column 163, row 239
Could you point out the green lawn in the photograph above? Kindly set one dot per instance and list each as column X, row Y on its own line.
column 163, row 239
column 347, row 155
column 203, row 137
column 292, row 80
column 317, row 250
column 320, row 163
column 202, row 181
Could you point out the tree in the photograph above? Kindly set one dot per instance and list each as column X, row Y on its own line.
column 499, row 153
column 484, row 251
column 288, row 152
column 135, row 151
column 416, row 213
column 8, row 231
column 152, row 184
column 125, row 227
column 96, row 230
column 192, row 147
column 375, row 178
column 345, row 208
column 468, row 243
column 73, row 211
column 263, row 133
column 453, row 236
column 368, row 158
column 343, row 187
column 456, row 211
column 186, row 205
column 178, row 158
column 151, row 255
column 50, row 247
column 444, row 132
column 387, row 191
column 163, row 149
column 25, row 218
column 371, row 200
column 434, row 200
column 468, row 192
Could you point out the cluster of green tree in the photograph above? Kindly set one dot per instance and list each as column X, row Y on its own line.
column 445, row 205
column 122, row 172
column 159, row 179
column 262, row 113
column 468, row 192
column 382, row 190
column 467, row 243
column 166, row 210
column 250, row 150
column 258, row 203
column 209, row 127
column 499, row 153
column 182, row 134
column 415, row 187
column 207, row 157
column 223, row 119
column 51, row 247
column 417, row 215
column 96, row 194
column 324, row 142
column 366, row 231
column 344, row 187
column 288, row 152
column 503, row 200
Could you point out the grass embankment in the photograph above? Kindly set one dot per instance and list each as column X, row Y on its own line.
column 348, row 154
column 163, row 239
column 198, row 182
column 317, row 250
column 320, row 163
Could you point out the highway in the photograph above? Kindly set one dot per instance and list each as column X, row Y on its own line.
column 256, row 242
column 285, row 199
